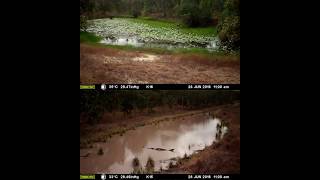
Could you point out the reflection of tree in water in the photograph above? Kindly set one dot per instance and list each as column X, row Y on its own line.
column 137, row 141
column 121, row 150
column 150, row 165
column 166, row 132
column 112, row 155
column 137, row 169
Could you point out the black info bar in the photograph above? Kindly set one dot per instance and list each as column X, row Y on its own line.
column 106, row 87
column 159, row 176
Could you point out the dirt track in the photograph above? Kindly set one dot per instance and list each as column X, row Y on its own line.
column 104, row 65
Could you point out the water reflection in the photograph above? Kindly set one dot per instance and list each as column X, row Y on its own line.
column 136, row 42
column 184, row 136
column 122, row 41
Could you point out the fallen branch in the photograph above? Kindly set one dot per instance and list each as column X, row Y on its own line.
column 161, row 149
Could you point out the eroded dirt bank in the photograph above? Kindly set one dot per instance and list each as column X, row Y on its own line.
column 222, row 157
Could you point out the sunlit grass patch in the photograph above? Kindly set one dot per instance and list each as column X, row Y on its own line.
column 89, row 37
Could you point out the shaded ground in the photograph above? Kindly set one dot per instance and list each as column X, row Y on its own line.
column 105, row 65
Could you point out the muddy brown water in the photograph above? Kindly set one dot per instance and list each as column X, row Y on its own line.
column 186, row 136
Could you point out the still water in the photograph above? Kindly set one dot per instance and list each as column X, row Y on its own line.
column 185, row 136
column 134, row 41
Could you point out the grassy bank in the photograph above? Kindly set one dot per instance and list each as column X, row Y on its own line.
column 89, row 37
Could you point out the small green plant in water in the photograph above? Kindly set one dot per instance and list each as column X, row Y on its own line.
column 150, row 165
column 136, row 166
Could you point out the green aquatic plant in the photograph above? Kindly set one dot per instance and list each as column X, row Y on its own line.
column 136, row 166
column 150, row 165
column 106, row 28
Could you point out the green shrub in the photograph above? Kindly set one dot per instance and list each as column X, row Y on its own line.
column 83, row 23
column 150, row 165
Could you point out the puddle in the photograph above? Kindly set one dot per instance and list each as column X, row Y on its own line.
column 146, row 57
column 142, row 58
column 164, row 143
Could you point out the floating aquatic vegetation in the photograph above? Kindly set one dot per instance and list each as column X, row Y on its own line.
column 109, row 29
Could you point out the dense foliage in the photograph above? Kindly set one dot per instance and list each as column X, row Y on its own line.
column 95, row 103
column 229, row 28
column 193, row 13
column 83, row 23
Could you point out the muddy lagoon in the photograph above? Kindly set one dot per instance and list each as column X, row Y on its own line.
column 165, row 143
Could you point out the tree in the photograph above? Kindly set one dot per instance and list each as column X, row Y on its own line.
column 85, row 6
column 217, row 7
column 83, row 23
column 127, row 106
column 93, row 104
column 232, row 8
column 205, row 12
column 136, row 7
column 196, row 12
column 141, row 102
column 229, row 33
column 147, row 7
column 189, row 12
column 229, row 27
